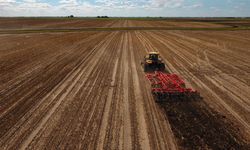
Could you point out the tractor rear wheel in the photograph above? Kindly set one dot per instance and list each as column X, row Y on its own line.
column 162, row 67
column 145, row 68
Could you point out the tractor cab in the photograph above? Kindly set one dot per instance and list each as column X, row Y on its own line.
column 154, row 56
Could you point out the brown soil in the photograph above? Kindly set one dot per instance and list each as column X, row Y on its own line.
column 26, row 23
column 39, row 23
column 197, row 126
column 88, row 90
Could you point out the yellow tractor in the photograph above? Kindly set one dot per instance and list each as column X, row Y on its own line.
column 153, row 62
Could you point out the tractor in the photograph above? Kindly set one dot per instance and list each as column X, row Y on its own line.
column 153, row 62
column 165, row 85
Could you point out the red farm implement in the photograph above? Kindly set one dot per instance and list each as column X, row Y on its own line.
column 169, row 87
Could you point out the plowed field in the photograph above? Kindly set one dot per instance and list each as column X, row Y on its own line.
column 43, row 23
column 88, row 90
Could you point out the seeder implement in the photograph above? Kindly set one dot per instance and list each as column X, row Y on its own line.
column 169, row 86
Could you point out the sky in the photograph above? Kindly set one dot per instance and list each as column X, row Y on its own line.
column 126, row 8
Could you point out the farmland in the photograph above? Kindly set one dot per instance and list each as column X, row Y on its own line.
column 76, row 23
column 78, row 90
